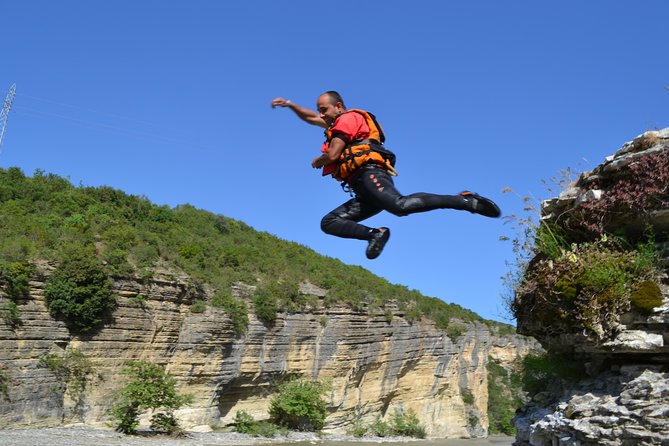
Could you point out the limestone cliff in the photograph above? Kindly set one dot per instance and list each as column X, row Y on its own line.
column 623, row 399
column 375, row 362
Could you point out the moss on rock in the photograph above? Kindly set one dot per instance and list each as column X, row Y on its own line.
column 646, row 296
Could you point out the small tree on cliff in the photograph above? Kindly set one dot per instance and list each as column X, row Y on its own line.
column 79, row 290
column 299, row 405
column 151, row 388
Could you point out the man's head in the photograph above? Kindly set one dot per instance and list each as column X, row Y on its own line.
column 330, row 105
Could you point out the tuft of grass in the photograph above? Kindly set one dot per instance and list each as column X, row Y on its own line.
column 199, row 306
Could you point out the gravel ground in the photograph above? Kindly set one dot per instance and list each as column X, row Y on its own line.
column 86, row 436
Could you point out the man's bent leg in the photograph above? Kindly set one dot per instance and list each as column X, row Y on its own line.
column 343, row 221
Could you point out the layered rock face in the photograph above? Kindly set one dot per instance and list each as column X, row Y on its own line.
column 624, row 400
column 375, row 363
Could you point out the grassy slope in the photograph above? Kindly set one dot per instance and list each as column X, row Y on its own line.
column 43, row 214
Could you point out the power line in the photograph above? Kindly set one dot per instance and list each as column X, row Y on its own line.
column 86, row 109
column 93, row 122
column 9, row 100
column 27, row 111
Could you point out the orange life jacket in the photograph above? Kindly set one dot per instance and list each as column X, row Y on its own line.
column 368, row 151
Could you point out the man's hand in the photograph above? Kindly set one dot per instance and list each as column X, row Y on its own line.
column 319, row 161
column 331, row 155
column 308, row 116
column 280, row 102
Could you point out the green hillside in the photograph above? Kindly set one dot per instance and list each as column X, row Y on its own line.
column 45, row 217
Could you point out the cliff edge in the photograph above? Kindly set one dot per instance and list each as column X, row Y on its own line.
column 596, row 296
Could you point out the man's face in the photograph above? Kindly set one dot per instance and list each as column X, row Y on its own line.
column 328, row 110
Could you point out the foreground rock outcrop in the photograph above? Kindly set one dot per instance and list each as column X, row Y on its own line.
column 625, row 407
column 376, row 362
column 623, row 399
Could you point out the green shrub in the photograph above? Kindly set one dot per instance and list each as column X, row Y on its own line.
column 4, row 383
column 467, row 396
column 190, row 251
column 199, row 306
column 358, row 428
column 167, row 423
column 299, row 405
column 290, row 298
column 117, row 262
column 504, row 397
column 76, row 221
column 73, row 369
column 150, row 387
column 120, row 236
column 454, row 331
column 10, row 313
column 586, row 289
column 406, row 424
column 541, row 370
column 236, row 310
column 568, row 282
column 380, row 428
column 278, row 294
column 501, row 329
column 79, row 290
column 265, row 305
column 138, row 300
column 472, row 420
column 145, row 254
column 246, row 424
column 16, row 276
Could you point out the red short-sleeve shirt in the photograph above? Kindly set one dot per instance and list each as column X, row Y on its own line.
column 350, row 126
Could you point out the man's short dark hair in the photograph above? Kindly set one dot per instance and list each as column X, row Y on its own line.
column 335, row 97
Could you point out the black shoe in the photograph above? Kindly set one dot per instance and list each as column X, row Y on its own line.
column 377, row 242
column 480, row 205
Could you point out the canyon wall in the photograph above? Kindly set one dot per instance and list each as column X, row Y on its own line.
column 376, row 361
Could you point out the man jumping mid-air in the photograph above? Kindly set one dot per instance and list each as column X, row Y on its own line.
column 353, row 153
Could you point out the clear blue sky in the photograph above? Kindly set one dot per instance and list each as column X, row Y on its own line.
column 171, row 100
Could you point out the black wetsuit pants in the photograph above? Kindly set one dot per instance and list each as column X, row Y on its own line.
column 375, row 192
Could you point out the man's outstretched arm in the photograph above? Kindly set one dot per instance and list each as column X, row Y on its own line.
column 309, row 116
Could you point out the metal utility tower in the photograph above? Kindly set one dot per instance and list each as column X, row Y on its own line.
column 9, row 100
